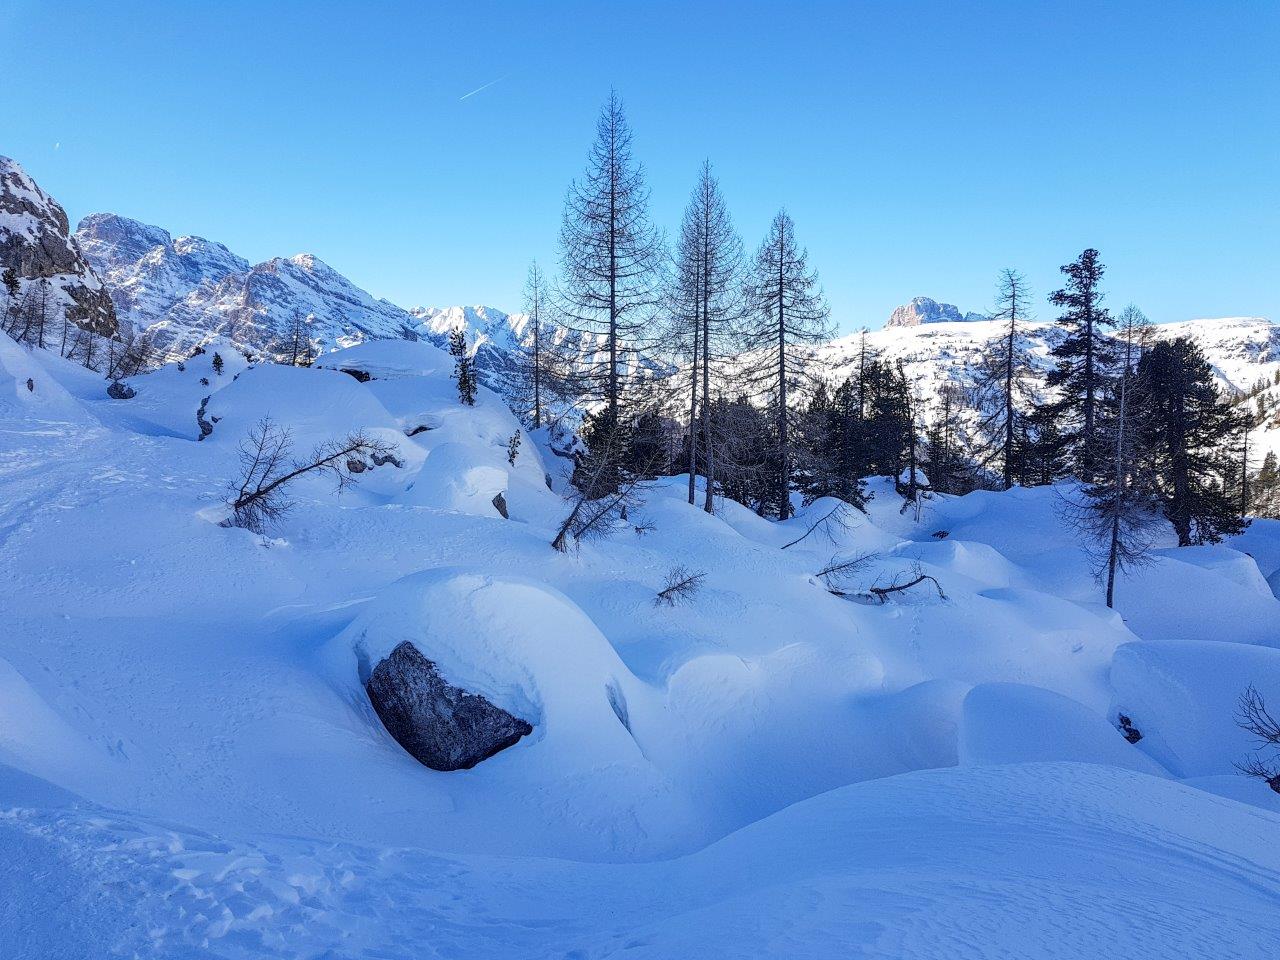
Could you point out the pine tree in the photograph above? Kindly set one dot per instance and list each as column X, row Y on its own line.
column 947, row 467
column 217, row 364
column 1001, row 382
column 612, row 259
column 708, row 305
column 463, row 367
column 1264, row 487
column 1193, row 431
column 790, row 316
column 1084, row 358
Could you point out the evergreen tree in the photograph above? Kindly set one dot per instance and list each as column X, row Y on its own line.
column 1264, row 487
column 1193, row 430
column 790, row 316
column 463, row 367
column 746, row 446
column 217, row 363
column 947, row 468
column 612, row 259
column 1084, row 359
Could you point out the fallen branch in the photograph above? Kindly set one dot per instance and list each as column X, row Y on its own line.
column 840, row 522
column 882, row 593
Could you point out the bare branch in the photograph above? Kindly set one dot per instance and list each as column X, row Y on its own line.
column 258, row 498
column 681, row 584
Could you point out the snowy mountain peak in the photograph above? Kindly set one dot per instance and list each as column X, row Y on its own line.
column 146, row 269
column 35, row 240
column 925, row 310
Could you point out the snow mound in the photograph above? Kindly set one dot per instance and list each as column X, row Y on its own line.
column 30, row 396
column 1015, row 723
column 1184, row 697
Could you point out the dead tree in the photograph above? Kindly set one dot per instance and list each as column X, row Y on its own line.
column 259, row 497
column 681, row 584
column 1252, row 716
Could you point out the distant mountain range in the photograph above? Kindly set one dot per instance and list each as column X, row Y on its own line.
column 189, row 291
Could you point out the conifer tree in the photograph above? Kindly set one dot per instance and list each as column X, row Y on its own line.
column 463, row 367
column 708, row 307
column 1084, row 359
column 1193, row 429
column 542, row 373
column 1119, row 514
column 217, row 363
column 612, row 260
column 790, row 317
column 1001, row 383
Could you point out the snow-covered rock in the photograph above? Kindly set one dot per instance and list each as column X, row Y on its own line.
column 444, row 727
column 36, row 241
column 146, row 269
column 924, row 310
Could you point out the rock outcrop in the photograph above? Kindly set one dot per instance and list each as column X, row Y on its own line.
column 36, row 241
column 146, row 270
column 923, row 310
column 442, row 726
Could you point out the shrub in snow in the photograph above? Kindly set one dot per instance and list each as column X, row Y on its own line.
column 258, row 498
column 681, row 584
column 1253, row 717
column 442, row 726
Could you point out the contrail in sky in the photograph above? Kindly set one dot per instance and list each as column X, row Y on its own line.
column 480, row 89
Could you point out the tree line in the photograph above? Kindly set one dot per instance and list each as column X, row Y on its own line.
column 697, row 358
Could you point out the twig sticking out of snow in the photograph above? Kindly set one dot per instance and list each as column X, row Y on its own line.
column 681, row 584
column 837, row 519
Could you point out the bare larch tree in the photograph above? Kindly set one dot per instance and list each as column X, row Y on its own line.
column 612, row 258
column 790, row 317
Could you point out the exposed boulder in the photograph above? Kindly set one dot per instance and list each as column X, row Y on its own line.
column 442, row 726
column 121, row 391
column 500, row 504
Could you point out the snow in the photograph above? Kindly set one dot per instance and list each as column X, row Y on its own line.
column 189, row 765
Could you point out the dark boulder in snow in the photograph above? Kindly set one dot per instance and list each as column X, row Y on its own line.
column 442, row 726
column 500, row 504
column 121, row 391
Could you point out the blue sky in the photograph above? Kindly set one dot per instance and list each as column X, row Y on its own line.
column 919, row 147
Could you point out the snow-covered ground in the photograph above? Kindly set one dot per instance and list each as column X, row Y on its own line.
column 189, row 765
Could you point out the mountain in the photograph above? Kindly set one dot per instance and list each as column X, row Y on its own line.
column 923, row 310
column 146, row 269
column 35, row 241
column 190, row 291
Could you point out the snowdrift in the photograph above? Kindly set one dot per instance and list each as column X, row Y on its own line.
column 765, row 768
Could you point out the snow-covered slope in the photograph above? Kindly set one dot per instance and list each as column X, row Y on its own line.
column 35, row 241
column 190, row 766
